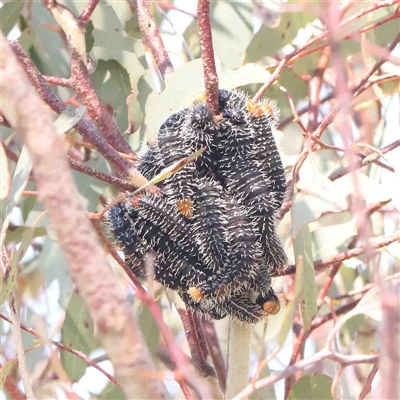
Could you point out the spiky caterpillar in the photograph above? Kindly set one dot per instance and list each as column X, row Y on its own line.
column 168, row 219
column 210, row 224
column 179, row 188
column 238, row 164
column 151, row 163
column 124, row 232
column 262, row 121
column 200, row 131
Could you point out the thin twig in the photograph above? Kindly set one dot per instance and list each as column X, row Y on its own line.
column 63, row 347
column 215, row 352
column 152, row 37
column 86, row 128
column 368, row 383
column 17, row 335
column 53, row 80
column 112, row 180
column 324, row 263
column 364, row 162
column 87, row 13
column 207, row 55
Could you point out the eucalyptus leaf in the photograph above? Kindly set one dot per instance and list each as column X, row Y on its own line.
column 268, row 41
column 111, row 82
column 305, row 263
column 68, row 118
column 9, row 14
column 77, row 332
column 312, row 387
column 185, row 85
column 19, row 181
column 316, row 197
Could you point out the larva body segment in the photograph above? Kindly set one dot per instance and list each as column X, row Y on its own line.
column 267, row 154
column 210, row 225
column 180, row 186
column 151, row 163
column 169, row 220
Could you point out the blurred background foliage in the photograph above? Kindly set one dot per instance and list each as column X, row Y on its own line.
column 248, row 38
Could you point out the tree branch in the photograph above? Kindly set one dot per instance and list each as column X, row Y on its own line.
column 61, row 346
column 120, row 334
column 207, row 55
column 152, row 37
column 87, row 13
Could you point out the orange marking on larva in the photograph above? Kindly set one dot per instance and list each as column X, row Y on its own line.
column 201, row 97
column 135, row 200
column 272, row 307
column 185, row 206
column 195, row 293
column 258, row 110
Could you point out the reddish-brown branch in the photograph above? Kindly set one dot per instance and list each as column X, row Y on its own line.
column 215, row 352
column 324, row 263
column 112, row 180
column 95, row 107
column 365, row 161
column 121, row 337
column 53, row 80
column 207, row 55
column 192, row 329
column 85, row 127
column 87, row 13
column 314, row 89
column 152, row 37
column 68, row 349
column 368, row 383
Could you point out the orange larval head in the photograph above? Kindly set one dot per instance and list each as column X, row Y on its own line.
column 258, row 110
column 272, row 307
column 185, row 206
column 195, row 293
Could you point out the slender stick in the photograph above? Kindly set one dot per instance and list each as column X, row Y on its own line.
column 207, row 55
column 152, row 37
column 87, row 13
column 61, row 346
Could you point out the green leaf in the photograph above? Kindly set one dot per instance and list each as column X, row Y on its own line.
column 19, row 181
column 9, row 15
column 111, row 42
column 268, row 41
column 16, row 234
column 77, row 332
column 4, row 174
column 9, row 280
column 317, row 196
column 48, row 51
column 316, row 387
column 111, row 82
column 52, row 264
column 111, row 392
column 187, row 82
column 5, row 370
column 232, row 30
column 150, row 330
column 68, row 118
column 306, row 276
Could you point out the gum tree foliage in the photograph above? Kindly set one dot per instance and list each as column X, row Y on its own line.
column 328, row 213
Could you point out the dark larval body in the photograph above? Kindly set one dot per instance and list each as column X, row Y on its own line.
column 220, row 255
